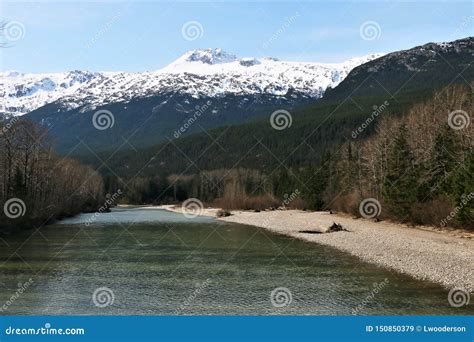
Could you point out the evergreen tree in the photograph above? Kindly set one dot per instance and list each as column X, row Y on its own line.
column 319, row 177
column 463, row 191
column 400, row 186
column 443, row 162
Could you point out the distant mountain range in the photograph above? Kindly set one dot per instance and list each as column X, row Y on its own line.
column 198, row 73
column 221, row 89
column 150, row 107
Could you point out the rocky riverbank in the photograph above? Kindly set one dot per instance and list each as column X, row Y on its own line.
column 442, row 257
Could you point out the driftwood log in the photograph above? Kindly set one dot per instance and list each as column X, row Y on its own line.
column 223, row 213
column 335, row 227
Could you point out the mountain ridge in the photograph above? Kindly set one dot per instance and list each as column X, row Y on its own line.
column 429, row 65
column 201, row 72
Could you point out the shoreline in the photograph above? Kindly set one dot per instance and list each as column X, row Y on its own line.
column 424, row 253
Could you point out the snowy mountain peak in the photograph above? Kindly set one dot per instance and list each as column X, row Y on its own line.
column 209, row 56
column 249, row 61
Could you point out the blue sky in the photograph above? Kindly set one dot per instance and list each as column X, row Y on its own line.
column 147, row 35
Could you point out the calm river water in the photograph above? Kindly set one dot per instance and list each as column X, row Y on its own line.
column 150, row 261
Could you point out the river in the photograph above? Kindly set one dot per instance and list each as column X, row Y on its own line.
column 150, row 261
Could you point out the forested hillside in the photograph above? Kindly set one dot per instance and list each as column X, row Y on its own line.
column 148, row 121
column 419, row 167
column 313, row 131
column 36, row 185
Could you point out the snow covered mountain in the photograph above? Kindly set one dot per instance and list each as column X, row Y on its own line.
column 198, row 73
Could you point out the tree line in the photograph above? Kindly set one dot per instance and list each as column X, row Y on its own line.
column 419, row 166
column 36, row 185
